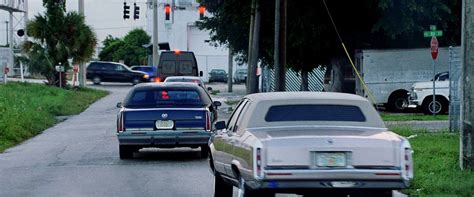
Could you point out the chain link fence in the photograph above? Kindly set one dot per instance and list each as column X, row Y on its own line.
column 455, row 74
column 293, row 80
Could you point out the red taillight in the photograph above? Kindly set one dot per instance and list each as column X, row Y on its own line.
column 408, row 162
column 258, row 160
column 157, row 80
column 120, row 124
column 164, row 95
column 208, row 121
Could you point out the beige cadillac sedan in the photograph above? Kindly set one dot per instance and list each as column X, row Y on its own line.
column 324, row 144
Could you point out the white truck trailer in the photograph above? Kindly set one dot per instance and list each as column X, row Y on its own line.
column 389, row 74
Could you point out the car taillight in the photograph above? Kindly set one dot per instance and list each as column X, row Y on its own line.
column 157, row 80
column 208, row 121
column 408, row 163
column 258, row 161
column 407, row 160
column 120, row 124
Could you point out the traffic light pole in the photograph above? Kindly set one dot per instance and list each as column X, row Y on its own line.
column 156, row 56
column 82, row 66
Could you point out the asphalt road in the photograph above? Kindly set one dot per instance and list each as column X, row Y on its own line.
column 79, row 157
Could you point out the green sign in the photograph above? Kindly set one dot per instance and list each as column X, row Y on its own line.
column 433, row 33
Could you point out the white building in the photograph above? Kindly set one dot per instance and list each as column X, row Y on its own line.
column 182, row 33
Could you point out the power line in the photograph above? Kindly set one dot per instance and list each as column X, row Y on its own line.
column 127, row 27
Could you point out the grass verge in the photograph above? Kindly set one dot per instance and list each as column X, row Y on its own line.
column 412, row 117
column 436, row 160
column 27, row 109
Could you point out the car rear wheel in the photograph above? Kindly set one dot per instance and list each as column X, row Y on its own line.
column 253, row 193
column 221, row 188
column 204, row 151
column 136, row 81
column 126, row 152
column 96, row 80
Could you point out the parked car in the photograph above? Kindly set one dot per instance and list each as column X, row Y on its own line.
column 240, row 76
column 421, row 95
column 150, row 70
column 188, row 79
column 114, row 72
column 308, row 143
column 165, row 115
column 217, row 75
column 177, row 63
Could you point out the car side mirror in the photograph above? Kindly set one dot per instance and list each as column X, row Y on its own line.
column 219, row 125
column 201, row 73
column 217, row 103
column 119, row 105
column 209, row 88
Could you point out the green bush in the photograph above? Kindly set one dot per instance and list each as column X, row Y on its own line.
column 27, row 109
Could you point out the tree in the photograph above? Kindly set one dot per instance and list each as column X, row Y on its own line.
column 312, row 40
column 130, row 49
column 58, row 36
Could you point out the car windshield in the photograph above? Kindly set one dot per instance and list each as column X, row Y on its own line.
column 145, row 69
column 218, row 72
column 163, row 98
column 344, row 113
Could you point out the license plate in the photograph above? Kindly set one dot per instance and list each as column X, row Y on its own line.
column 331, row 159
column 164, row 124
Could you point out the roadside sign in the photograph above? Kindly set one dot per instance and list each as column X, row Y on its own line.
column 433, row 32
column 428, row 34
column 59, row 68
column 434, row 48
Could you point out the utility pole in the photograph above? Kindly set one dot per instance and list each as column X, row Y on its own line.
column 280, row 45
column 82, row 66
column 253, row 82
column 276, row 53
column 467, row 88
column 249, row 56
column 156, row 56
column 231, row 65
column 6, row 23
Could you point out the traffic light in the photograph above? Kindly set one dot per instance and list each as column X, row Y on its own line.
column 126, row 11
column 136, row 11
column 202, row 10
column 167, row 12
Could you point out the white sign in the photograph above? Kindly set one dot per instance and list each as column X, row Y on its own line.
column 5, row 54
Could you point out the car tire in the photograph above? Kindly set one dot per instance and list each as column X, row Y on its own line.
column 96, row 80
column 221, row 188
column 136, row 81
column 204, row 151
column 126, row 152
column 441, row 105
column 398, row 102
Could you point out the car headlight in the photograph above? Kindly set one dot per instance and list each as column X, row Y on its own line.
column 146, row 76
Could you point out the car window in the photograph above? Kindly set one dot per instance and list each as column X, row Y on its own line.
column 443, row 77
column 119, row 68
column 109, row 67
column 185, row 67
column 345, row 113
column 234, row 116
column 239, row 119
column 167, row 98
column 169, row 67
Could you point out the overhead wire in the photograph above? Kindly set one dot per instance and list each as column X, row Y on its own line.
column 371, row 97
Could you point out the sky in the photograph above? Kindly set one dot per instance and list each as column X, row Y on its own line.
column 104, row 16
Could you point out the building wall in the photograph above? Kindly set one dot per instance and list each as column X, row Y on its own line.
column 182, row 33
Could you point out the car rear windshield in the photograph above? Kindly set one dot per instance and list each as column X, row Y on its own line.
column 182, row 80
column 344, row 113
column 164, row 98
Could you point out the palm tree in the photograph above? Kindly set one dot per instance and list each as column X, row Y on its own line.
column 58, row 36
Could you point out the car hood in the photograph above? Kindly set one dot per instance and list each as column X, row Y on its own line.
column 429, row 84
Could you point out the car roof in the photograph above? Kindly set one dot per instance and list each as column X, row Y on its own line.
column 183, row 77
column 279, row 96
column 165, row 85
column 260, row 103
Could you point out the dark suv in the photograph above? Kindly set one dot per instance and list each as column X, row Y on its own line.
column 114, row 72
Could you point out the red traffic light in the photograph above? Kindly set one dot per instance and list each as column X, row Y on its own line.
column 167, row 11
column 202, row 10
